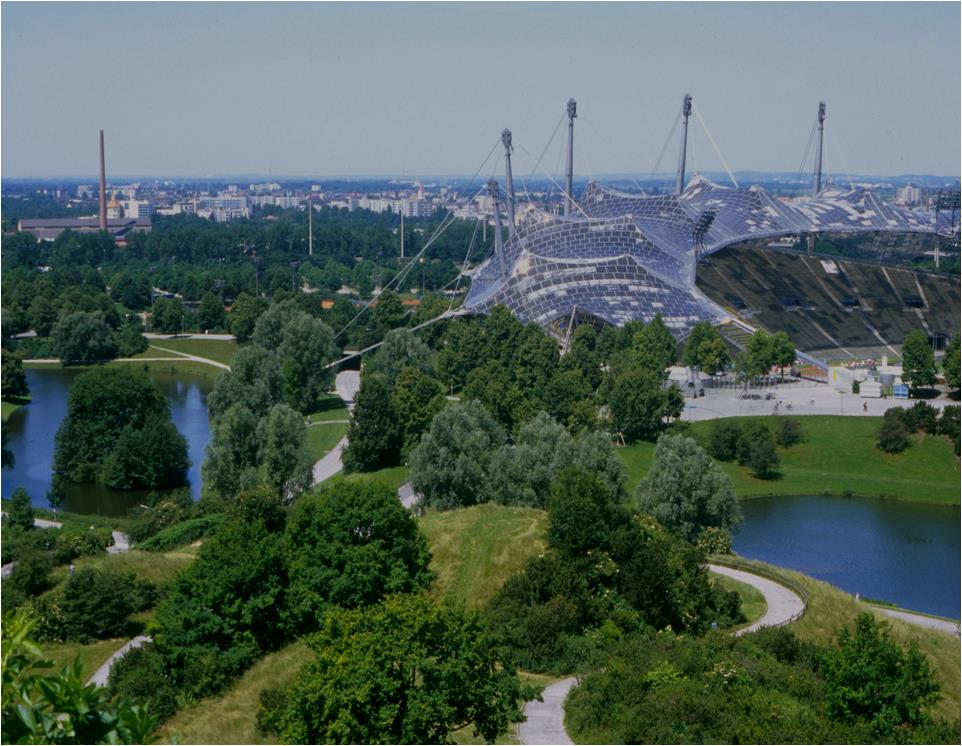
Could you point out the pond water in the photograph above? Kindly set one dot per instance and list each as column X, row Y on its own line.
column 31, row 429
column 900, row 552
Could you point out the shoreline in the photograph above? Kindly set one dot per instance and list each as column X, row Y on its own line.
column 846, row 494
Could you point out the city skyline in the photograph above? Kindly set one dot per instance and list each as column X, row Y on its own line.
column 201, row 90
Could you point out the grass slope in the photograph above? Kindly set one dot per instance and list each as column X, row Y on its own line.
column 11, row 405
column 158, row 568
column 232, row 717
column 322, row 438
column 837, row 456
column 93, row 656
column 393, row 476
column 474, row 550
column 829, row 609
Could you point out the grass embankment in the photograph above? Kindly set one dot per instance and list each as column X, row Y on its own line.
column 12, row 404
column 829, row 609
column 753, row 603
column 157, row 567
column 837, row 456
column 322, row 438
column 474, row 550
column 232, row 717
column 393, row 476
column 93, row 656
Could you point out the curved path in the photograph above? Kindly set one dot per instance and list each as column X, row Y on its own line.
column 102, row 674
column 195, row 358
column 545, row 719
column 346, row 384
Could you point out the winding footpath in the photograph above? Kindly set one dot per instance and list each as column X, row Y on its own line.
column 346, row 384
column 544, row 720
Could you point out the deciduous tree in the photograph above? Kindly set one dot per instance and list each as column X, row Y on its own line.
column 918, row 360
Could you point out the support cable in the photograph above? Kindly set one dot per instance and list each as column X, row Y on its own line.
column 664, row 148
column 714, row 145
column 801, row 166
column 552, row 180
column 607, row 145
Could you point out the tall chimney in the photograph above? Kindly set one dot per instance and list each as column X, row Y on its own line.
column 103, row 186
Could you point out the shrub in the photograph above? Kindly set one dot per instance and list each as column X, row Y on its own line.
column 71, row 544
column 140, row 674
column 21, row 513
column 723, row 441
column 183, row 533
column 29, row 577
column 893, row 436
column 714, row 540
column 921, row 416
column 788, row 432
column 150, row 520
column 949, row 425
column 756, row 449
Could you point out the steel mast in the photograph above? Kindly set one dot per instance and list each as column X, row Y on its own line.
column 817, row 181
column 682, row 154
column 569, row 169
column 508, row 180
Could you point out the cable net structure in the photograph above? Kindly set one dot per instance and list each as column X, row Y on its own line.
column 620, row 257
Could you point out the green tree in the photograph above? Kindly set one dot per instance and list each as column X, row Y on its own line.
column 232, row 452
column 869, row 678
column 424, row 670
column 170, row 316
column 640, row 407
column 756, row 449
column 374, row 435
column 782, row 351
column 284, row 451
column 150, row 456
column 350, row 545
column 59, row 707
column 13, row 382
column 103, row 403
column 521, row 474
column 893, row 435
column 401, row 349
column 451, row 466
column 130, row 338
column 580, row 514
column 210, row 313
column 82, row 338
column 254, row 381
column 723, row 439
column 43, row 315
column 460, row 352
column 705, row 350
column 95, row 604
column 225, row 610
column 388, row 312
column 918, row 360
column 952, row 361
column 244, row 314
column 307, row 346
column 21, row 512
column 416, row 398
column 654, row 345
column 131, row 289
column 583, row 355
column 686, row 491
column 269, row 329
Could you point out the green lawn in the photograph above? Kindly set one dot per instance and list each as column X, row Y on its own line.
column 180, row 365
column 216, row 349
column 331, row 407
column 9, row 406
column 837, row 456
column 474, row 550
column 93, row 656
column 159, row 568
column 322, row 438
column 232, row 717
column 829, row 609
column 393, row 476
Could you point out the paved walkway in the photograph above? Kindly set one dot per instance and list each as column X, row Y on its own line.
column 221, row 337
column 346, row 384
column 919, row 620
column 102, row 674
column 784, row 605
column 121, row 543
column 545, row 720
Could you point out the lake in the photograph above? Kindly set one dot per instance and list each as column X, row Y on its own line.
column 901, row 552
column 31, row 429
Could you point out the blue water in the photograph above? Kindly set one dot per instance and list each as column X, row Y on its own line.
column 904, row 553
column 31, row 429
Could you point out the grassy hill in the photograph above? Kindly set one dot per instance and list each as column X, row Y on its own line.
column 837, row 456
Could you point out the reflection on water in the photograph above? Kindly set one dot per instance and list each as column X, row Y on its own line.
column 901, row 552
column 31, row 430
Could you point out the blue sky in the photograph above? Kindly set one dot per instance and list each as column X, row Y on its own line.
column 195, row 89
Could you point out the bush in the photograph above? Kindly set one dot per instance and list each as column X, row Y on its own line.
column 21, row 513
column 714, row 540
column 148, row 520
column 16, row 542
column 788, row 432
column 94, row 604
column 893, row 435
column 756, row 449
column 949, row 425
column 723, row 441
column 30, row 577
column 140, row 674
column 183, row 533
column 71, row 544
column 921, row 416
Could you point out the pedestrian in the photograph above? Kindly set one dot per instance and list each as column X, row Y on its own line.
column 865, row 406
column 72, row 568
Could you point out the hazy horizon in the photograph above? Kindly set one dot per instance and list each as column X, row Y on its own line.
column 365, row 91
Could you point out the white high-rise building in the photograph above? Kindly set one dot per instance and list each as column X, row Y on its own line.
column 908, row 195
